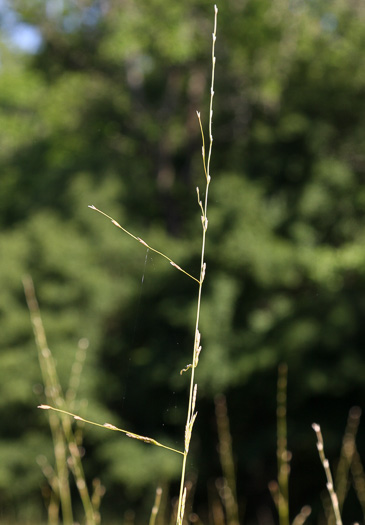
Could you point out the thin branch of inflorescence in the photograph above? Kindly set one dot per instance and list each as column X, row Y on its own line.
column 191, row 415
column 144, row 243
column 112, row 427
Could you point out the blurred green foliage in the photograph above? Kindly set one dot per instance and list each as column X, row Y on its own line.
column 104, row 114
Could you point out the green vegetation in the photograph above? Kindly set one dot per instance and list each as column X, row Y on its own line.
column 105, row 114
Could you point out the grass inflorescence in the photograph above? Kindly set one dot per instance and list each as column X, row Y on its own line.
column 57, row 404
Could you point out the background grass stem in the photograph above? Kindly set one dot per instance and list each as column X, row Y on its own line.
column 326, row 466
column 282, row 451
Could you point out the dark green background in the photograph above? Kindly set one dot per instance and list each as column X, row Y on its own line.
column 104, row 114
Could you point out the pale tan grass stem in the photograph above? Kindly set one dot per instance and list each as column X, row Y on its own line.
column 326, row 466
column 302, row 516
column 52, row 390
column 61, row 430
column 156, row 506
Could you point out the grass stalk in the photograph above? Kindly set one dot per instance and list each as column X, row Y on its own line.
column 326, row 466
column 60, row 482
column 347, row 455
column 350, row 463
column 229, row 492
column 282, row 451
column 191, row 414
column 156, row 506
column 302, row 516
column 63, row 438
column 358, row 476
column 51, row 493
column 98, row 493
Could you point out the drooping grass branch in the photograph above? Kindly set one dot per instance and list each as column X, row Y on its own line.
column 144, row 243
column 191, row 415
column 110, row 427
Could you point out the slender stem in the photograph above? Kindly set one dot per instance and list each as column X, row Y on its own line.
column 192, row 390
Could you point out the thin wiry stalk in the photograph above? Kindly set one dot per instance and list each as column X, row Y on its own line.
column 191, row 415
